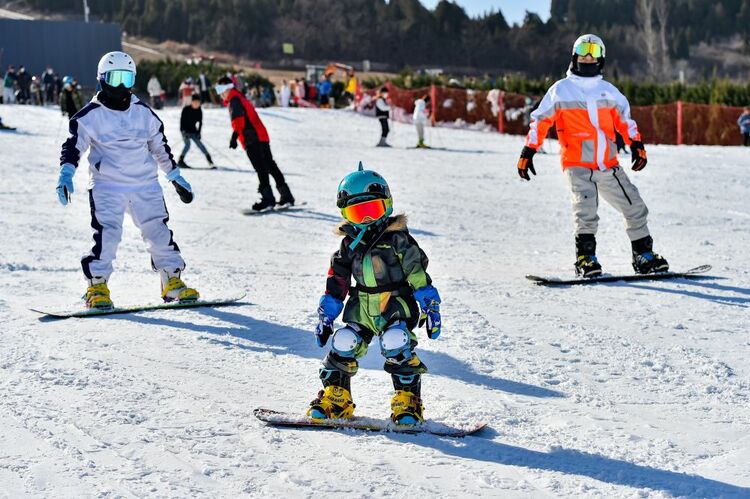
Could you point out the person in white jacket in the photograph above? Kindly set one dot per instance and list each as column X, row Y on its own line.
column 587, row 110
column 383, row 113
column 153, row 87
column 420, row 118
column 127, row 148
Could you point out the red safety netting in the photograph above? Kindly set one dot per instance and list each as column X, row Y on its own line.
column 675, row 123
column 657, row 124
column 710, row 124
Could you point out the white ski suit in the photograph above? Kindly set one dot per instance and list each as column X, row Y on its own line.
column 125, row 149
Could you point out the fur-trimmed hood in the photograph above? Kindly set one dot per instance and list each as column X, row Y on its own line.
column 394, row 224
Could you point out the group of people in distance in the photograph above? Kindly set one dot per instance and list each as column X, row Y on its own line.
column 392, row 293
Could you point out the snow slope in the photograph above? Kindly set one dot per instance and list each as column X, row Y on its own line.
column 622, row 390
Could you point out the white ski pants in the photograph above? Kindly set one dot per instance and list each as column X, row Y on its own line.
column 420, row 130
column 614, row 186
column 148, row 212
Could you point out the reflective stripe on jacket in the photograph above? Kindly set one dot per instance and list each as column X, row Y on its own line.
column 586, row 113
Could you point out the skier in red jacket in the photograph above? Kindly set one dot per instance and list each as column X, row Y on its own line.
column 249, row 129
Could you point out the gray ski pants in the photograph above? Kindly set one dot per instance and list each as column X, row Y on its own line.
column 614, row 186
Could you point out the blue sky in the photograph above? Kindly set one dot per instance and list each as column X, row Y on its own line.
column 513, row 10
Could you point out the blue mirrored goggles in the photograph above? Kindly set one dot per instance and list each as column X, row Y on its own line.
column 117, row 77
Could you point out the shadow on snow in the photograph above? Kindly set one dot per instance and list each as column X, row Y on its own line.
column 284, row 340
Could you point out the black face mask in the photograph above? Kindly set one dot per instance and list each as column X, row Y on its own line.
column 586, row 70
column 117, row 98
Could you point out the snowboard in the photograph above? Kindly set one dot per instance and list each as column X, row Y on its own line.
column 296, row 207
column 694, row 273
column 277, row 418
column 94, row 312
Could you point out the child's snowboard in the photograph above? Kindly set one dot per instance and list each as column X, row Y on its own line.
column 277, row 418
column 694, row 273
column 92, row 312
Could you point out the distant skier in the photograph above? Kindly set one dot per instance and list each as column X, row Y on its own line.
column 153, row 87
column 191, row 124
column 383, row 113
column 744, row 123
column 420, row 118
column 127, row 143
column 70, row 99
column 587, row 110
column 252, row 134
column 392, row 286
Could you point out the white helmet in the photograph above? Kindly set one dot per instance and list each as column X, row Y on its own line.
column 585, row 45
column 114, row 60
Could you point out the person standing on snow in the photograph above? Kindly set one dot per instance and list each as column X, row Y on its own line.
column 153, row 87
column 420, row 119
column 393, row 295
column 252, row 134
column 9, row 86
column 744, row 123
column 204, row 86
column 587, row 110
column 70, row 98
column 191, row 124
column 128, row 147
column 383, row 113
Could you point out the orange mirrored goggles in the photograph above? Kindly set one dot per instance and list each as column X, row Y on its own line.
column 367, row 211
column 585, row 48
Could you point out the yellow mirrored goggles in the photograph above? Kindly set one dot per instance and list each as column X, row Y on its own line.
column 585, row 48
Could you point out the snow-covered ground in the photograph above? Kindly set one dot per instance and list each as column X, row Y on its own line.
column 622, row 390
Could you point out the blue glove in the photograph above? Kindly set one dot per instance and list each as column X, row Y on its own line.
column 65, row 183
column 328, row 309
column 181, row 185
column 429, row 301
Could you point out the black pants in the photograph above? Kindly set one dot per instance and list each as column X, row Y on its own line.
column 261, row 158
column 746, row 137
column 384, row 127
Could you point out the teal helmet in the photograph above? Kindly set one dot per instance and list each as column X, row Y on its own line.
column 361, row 186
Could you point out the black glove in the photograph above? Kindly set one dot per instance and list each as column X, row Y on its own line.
column 186, row 196
column 639, row 155
column 526, row 163
column 233, row 141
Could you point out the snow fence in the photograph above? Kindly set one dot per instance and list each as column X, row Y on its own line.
column 506, row 112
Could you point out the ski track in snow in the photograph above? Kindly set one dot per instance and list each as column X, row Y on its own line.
column 621, row 390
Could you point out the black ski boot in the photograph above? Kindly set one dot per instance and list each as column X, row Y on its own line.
column 286, row 199
column 645, row 261
column 267, row 201
column 587, row 265
column 181, row 163
column 210, row 162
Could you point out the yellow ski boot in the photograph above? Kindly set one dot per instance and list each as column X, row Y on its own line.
column 406, row 408
column 333, row 402
column 174, row 289
column 97, row 294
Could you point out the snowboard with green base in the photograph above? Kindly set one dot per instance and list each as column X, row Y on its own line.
column 97, row 312
column 277, row 418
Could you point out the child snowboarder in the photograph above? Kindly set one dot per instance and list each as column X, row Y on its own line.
column 127, row 143
column 383, row 113
column 253, row 136
column 587, row 110
column 392, row 286
column 70, row 98
column 191, row 124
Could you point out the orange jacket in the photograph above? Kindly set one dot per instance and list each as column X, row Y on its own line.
column 586, row 112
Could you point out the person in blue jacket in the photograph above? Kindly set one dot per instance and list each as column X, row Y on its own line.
column 744, row 124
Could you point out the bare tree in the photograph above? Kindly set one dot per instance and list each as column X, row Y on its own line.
column 644, row 15
column 662, row 15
